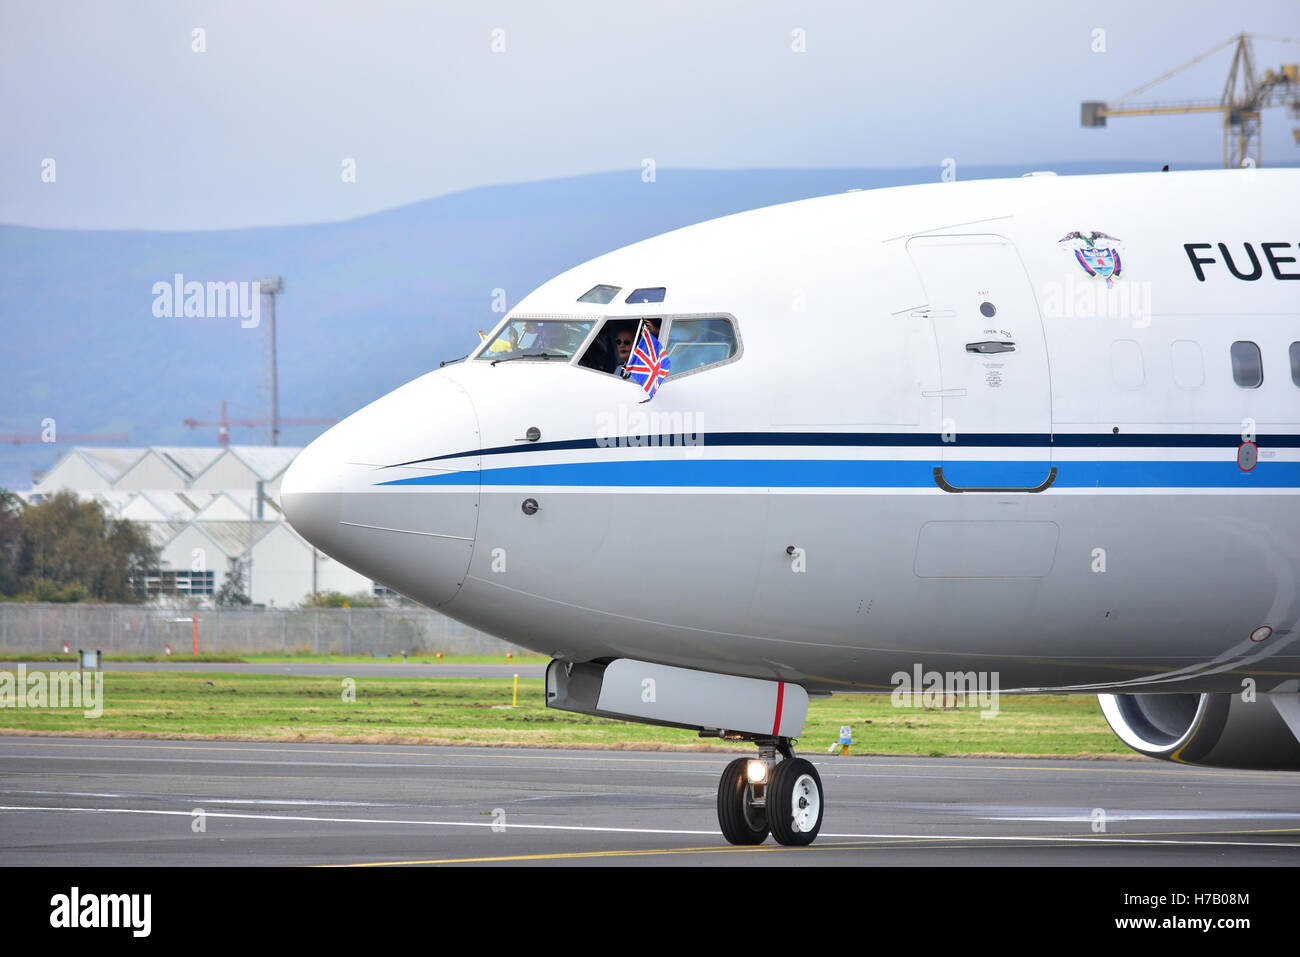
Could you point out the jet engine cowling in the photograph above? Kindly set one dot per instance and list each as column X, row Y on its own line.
column 1214, row 730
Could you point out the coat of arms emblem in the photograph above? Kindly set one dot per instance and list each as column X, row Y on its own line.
column 1097, row 261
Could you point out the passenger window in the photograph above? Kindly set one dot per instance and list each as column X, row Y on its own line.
column 1126, row 364
column 1247, row 366
column 1295, row 362
column 696, row 343
column 1189, row 366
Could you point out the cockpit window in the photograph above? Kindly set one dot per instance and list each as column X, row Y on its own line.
column 649, row 294
column 537, row 338
column 696, row 343
column 601, row 294
column 611, row 348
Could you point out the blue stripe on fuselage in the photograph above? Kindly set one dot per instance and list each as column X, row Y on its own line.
column 838, row 473
column 1105, row 440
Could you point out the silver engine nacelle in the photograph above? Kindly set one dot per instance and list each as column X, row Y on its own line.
column 1215, row 730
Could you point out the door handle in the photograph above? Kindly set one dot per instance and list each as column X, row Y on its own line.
column 990, row 347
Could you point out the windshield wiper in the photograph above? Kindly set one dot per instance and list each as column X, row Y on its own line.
column 533, row 355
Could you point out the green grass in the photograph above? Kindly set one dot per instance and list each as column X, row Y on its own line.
column 412, row 659
column 469, row 711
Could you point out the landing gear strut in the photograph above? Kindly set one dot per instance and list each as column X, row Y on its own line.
column 761, row 795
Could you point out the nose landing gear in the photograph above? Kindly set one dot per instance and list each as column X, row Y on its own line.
column 741, row 811
column 794, row 803
column 761, row 795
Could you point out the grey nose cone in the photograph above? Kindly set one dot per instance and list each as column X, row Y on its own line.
column 314, row 514
column 409, row 527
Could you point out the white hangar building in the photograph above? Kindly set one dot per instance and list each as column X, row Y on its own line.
column 202, row 509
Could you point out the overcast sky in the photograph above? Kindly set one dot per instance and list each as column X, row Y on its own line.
column 256, row 129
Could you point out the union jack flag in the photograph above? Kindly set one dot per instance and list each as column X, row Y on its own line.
column 648, row 365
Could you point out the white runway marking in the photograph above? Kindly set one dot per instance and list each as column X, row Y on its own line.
column 968, row 838
column 207, row 800
column 544, row 756
column 333, row 764
column 359, row 820
column 1084, row 817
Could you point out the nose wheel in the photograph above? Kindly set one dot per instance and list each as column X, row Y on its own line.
column 743, row 820
column 758, row 796
column 794, row 803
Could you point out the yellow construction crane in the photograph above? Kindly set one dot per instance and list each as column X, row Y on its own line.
column 1245, row 96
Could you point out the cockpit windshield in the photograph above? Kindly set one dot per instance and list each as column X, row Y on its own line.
column 537, row 338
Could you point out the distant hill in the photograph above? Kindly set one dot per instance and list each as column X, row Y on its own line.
column 369, row 303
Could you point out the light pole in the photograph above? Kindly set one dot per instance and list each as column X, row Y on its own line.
column 271, row 287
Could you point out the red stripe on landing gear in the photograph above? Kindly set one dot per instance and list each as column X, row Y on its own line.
column 780, row 703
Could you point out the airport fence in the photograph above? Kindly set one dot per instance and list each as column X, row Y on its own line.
column 43, row 629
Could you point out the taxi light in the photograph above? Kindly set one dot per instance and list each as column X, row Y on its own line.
column 756, row 771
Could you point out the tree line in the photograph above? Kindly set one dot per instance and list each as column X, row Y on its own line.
column 66, row 549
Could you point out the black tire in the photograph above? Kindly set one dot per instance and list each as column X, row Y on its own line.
column 795, row 785
column 741, row 823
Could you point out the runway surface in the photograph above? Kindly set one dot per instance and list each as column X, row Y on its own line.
column 73, row 802
column 317, row 669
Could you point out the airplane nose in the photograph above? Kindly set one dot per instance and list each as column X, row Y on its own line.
column 392, row 491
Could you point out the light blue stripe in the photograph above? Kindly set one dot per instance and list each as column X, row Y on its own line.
column 838, row 473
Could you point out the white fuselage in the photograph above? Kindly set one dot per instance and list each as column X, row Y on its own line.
column 947, row 434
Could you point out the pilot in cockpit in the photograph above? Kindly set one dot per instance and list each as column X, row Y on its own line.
column 623, row 349
column 625, row 342
column 612, row 348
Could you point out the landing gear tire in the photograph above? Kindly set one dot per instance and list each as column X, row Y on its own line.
column 794, row 803
column 742, row 821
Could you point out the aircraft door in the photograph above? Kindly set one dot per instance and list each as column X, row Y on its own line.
column 996, row 391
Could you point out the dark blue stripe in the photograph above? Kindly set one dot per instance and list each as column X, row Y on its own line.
column 1107, row 440
column 823, row 473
